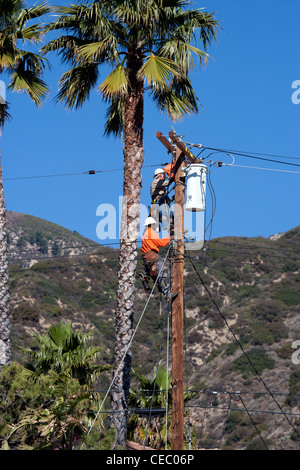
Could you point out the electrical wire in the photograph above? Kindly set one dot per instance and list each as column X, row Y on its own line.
column 98, row 246
column 86, row 172
column 252, row 410
column 257, row 168
column 214, row 205
column 254, row 156
column 247, row 153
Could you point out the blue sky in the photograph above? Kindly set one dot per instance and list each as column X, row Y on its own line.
column 246, row 92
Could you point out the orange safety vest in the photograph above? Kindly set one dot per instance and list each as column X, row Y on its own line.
column 152, row 242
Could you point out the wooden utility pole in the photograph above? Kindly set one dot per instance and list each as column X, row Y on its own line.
column 177, row 308
column 180, row 152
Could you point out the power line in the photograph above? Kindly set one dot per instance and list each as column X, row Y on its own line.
column 251, row 156
column 257, row 168
column 245, row 152
column 97, row 247
column 207, row 262
column 12, row 256
column 86, row 172
column 252, row 410
column 257, row 246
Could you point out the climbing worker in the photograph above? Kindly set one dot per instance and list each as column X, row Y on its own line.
column 160, row 201
column 152, row 262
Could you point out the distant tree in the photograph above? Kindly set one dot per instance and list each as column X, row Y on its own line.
column 25, row 69
column 55, row 249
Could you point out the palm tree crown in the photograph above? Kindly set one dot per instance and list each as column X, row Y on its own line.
column 153, row 42
column 24, row 67
column 66, row 352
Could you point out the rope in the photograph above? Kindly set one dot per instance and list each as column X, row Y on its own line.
column 129, row 345
column 168, row 336
column 167, row 383
column 167, row 311
column 154, row 383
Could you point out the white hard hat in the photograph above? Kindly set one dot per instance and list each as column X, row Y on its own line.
column 149, row 221
column 158, row 171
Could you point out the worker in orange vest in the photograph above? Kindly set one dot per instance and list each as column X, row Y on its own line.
column 151, row 243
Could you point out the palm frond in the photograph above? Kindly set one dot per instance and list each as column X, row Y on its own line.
column 115, row 117
column 157, row 70
column 115, row 84
column 25, row 67
column 67, row 47
column 100, row 50
column 35, row 11
column 27, row 81
column 4, row 114
column 181, row 52
column 76, row 84
column 173, row 103
column 32, row 33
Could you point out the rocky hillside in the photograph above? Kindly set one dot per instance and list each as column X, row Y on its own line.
column 31, row 239
column 242, row 305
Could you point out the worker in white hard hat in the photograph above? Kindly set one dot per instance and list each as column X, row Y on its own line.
column 152, row 262
column 160, row 201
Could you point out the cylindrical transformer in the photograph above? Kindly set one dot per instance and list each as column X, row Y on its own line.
column 195, row 187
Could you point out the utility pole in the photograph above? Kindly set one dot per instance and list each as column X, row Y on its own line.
column 181, row 153
column 177, row 308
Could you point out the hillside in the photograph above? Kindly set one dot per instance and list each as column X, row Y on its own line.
column 32, row 238
column 242, row 303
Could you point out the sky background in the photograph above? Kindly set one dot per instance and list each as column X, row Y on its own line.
column 246, row 92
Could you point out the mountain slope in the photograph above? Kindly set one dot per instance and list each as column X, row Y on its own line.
column 35, row 238
column 242, row 304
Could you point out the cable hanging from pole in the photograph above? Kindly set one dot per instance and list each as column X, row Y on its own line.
column 168, row 310
column 127, row 349
column 242, row 348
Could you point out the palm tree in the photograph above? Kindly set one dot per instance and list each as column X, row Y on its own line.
column 150, row 45
column 24, row 69
column 63, row 359
column 150, row 403
column 66, row 352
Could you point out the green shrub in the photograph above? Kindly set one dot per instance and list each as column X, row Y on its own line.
column 294, row 388
column 285, row 352
column 289, row 291
column 246, row 291
column 25, row 311
column 269, row 334
column 259, row 360
column 266, row 311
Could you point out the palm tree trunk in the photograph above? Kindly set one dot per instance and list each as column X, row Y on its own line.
column 133, row 161
column 5, row 341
